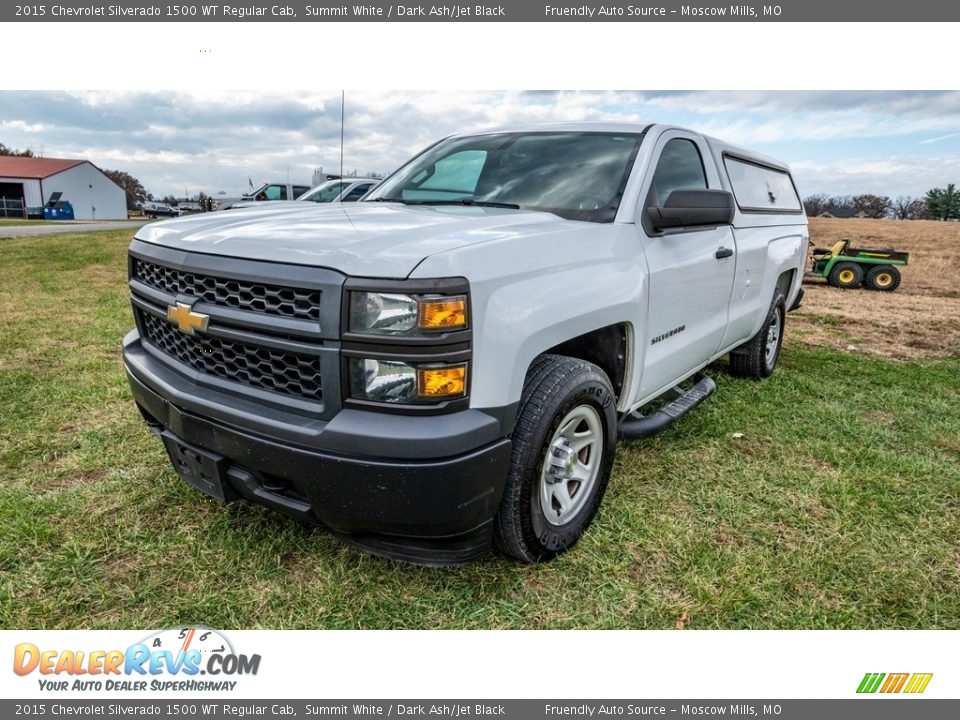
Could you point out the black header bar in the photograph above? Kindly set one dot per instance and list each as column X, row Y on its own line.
column 859, row 11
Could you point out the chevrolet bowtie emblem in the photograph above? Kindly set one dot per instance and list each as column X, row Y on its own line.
column 184, row 318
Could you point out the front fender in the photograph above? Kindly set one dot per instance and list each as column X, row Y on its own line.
column 529, row 294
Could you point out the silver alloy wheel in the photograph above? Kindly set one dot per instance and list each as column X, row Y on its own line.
column 773, row 338
column 572, row 464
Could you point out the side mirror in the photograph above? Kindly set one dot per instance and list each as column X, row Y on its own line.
column 690, row 208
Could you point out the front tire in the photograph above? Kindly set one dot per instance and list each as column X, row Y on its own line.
column 758, row 357
column 846, row 275
column 563, row 447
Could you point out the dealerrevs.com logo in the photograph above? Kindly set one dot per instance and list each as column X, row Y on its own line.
column 180, row 659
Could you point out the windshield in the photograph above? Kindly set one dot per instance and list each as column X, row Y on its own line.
column 327, row 192
column 576, row 175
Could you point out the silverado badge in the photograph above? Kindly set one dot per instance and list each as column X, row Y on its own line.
column 185, row 319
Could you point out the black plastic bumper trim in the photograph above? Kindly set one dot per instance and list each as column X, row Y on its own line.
column 434, row 512
column 351, row 431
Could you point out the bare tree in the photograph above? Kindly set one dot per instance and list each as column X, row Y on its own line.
column 840, row 202
column 815, row 204
column 877, row 206
column 901, row 207
column 918, row 210
column 4, row 150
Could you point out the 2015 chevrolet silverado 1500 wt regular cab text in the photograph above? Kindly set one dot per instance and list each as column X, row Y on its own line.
column 448, row 364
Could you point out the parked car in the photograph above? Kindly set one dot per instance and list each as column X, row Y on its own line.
column 185, row 208
column 268, row 192
column 449, row 364
column 331, row 191
column 344, row 190
column 157, row 209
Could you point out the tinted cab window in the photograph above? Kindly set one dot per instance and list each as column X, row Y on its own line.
column 356, row 193
column 273, row 192
column 328, row 192
column 679, row 168
column 762, row 188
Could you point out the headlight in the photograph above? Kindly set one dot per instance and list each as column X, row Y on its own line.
column 379, row 313
column 393, row 381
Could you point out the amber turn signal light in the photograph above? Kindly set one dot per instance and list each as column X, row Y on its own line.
column 448, row 313
column 442, row 382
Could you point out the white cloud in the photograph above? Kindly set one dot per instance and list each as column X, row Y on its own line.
column 891, row 176
column 214, row 140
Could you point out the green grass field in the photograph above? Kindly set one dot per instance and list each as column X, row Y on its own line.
column 837, row 507
column 16, row 222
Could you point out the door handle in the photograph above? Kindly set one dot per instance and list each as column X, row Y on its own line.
column 724, row 253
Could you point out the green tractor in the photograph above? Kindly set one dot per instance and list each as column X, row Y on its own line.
column 847, row 267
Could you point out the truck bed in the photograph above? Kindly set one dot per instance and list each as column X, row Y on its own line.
column 885, row 253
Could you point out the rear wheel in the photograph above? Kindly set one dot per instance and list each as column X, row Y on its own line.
column 885, row 278
column 758, row 357
column 563, row 447
column 846, row 275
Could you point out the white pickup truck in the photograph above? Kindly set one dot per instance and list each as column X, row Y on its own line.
column 268, row 192
column 332, row 191
column 449, row 364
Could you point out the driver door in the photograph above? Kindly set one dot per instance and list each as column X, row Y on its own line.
column 690, row 270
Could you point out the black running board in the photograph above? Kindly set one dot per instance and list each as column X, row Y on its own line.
column 636, row 426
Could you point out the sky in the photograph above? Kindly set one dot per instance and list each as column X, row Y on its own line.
column 180, row 143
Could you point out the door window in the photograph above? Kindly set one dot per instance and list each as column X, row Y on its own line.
column 356, row 193
column 273, row 192
column 680, row 168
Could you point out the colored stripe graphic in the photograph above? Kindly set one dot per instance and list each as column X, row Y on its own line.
column 918, row 683
column 894, row 683
column 870, row 683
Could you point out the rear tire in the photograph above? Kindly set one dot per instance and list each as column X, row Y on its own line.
column 885, row 278
column 563, row 447
column 846, row 275
column 758, row 357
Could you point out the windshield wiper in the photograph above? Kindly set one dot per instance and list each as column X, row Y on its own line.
column 465, row 201
column 388, row 199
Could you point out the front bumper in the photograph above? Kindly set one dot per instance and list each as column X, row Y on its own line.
column 422, row 489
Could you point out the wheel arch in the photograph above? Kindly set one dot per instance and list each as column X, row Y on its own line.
column 785, row 282
column 608, row 347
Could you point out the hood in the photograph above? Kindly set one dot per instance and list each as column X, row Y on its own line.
column 362, row 239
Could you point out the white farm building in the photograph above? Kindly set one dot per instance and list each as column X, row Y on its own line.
column 33, row 180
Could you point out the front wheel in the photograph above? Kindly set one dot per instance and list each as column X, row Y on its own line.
column 846, row 275
column 563, row 447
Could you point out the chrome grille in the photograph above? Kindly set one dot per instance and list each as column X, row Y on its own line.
column 281, row 371
column 299, row 303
